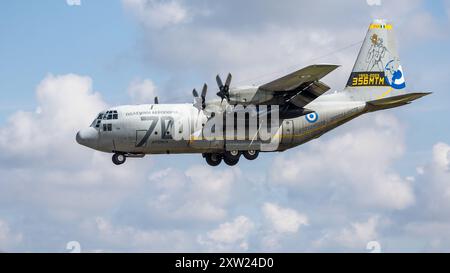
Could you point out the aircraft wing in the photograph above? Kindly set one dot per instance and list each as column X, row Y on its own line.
column 303, row 76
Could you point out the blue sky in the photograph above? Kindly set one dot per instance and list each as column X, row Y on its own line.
column 52, row 37
column 61, row 64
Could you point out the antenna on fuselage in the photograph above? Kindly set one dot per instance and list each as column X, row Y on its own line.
column 156, row 100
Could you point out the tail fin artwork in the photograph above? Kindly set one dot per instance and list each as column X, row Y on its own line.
column 377, row 74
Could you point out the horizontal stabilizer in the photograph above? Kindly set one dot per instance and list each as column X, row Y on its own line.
column 396, row 101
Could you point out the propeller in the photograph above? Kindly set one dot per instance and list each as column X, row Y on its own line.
column 156, row 100
column 200, row 101
column 224, row 89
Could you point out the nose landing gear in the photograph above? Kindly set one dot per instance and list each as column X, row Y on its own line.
column 119, row 159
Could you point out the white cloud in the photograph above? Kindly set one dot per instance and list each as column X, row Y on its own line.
column 58, row 183
column 215, row 44
column 441, row 156
column 43, row 164
column 7, row 237
column 425, row 225
column 357, row 235
column 66, row 104
column 432, row 236
column 229, row 236
column 359, row 162
column 284, row 220
column 129, row 238
column 156, row 13
column 374, row 2
column 73, row 2
column 142, row 91
column 199, row 193
column 281, row 223
column 415, row 21
column 250, row 58
column 435, row 196
column 420, row 170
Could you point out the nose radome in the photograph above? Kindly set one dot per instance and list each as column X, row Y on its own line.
column 87, row 137
column 79, row 140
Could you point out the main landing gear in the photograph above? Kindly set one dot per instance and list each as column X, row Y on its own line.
column 231, row 158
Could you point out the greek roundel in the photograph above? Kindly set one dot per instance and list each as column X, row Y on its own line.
column 395, row 75
column 312, row 118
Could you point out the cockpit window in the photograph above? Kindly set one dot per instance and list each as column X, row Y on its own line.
column 111, row 115
column 96, row 123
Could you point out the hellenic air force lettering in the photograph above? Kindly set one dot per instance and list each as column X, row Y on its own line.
column 245, row 121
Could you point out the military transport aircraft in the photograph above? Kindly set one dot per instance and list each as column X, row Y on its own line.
column 295, row 109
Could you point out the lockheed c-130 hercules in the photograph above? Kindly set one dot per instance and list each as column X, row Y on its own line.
column 245, row 121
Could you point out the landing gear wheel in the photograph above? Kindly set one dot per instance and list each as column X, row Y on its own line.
column 251, row 155
column 119, row 159
column 213, row 159
column 232, row 155
column 230, row 162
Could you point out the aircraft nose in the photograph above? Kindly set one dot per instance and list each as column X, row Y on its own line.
column 87, row 137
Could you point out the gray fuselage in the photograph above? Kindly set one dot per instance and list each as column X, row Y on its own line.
column 155, row 124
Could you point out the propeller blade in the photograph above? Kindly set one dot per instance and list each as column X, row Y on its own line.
column 228, row 82
column 198, row 101
column 224, row 90
column 219, row 82
column 205, row 89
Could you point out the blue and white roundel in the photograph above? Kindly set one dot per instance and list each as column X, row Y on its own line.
column 312, row 118
column 394, row 75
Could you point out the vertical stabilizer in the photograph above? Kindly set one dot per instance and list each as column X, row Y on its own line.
column 377, row 73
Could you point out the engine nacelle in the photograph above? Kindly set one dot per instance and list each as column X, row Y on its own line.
column 249, row 95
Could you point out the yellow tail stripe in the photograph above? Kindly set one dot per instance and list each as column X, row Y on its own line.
column 385, row 93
